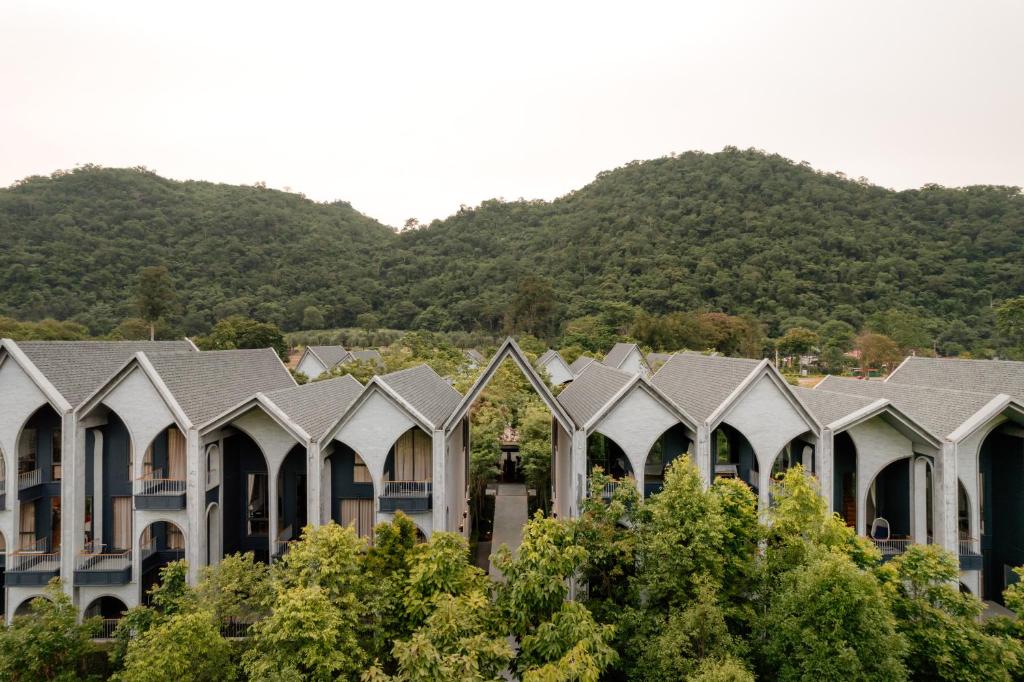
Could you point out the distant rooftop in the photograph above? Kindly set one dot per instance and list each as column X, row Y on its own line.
column 591, row 390
column 426, row 391
column 983, row 376
column 698, row 383
column 317, row 405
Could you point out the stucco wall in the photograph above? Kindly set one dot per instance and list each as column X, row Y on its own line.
column 310, row 366
column 558, row 372
column 878, row 445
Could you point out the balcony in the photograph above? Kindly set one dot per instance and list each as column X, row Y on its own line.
column 892, row 547
column 107, row 628
column 32, row 484
column 33, row 565
column 411, row 497
column 283, row 542
column 94, row 566
column 970, row 553
column 156, row 493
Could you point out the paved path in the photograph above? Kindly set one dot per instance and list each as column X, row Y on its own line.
column 510, row 511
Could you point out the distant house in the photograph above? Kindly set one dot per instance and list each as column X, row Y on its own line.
column 474, row 356
column 628, row 358
column 558, row 370
column 656, row 360
column 317, row 360
column 580, row 364
column 371, row 355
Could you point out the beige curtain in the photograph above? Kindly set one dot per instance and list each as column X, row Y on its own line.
column 359, row 515
column 404, row 460
column 27, row 525
column 147, row 463
column 361, row 473
column 122, row 535
column 175, row 454
column 422, row 456
column 175, row 538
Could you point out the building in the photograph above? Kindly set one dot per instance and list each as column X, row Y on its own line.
column 557, row 369
column 628, row 357
column 120, row 457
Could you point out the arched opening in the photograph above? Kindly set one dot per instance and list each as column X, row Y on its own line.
column 732, row 456
column 670, row 446
column 604, row 452
column 246, row 498
column 160, row 543
column 214, row 550
column 1001, row 502
column 39, row 475
column 408, row 474
column 3, row 480
column 888, row 508
column 25, row 607
column 108, row 497
column 351, row 490
column 212, row 465
column 110, row 609
column 797, row 451
column 163, row 465
column 291, row 499
column 844, row 478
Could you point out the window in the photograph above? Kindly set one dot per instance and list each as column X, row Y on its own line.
column 27, row 451
column 122, row 518
column 358, row 514
column 413, row 456
column 256, row 508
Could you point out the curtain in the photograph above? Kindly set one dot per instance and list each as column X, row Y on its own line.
column 147, row 463
column 422, row 455
column 175, row 538
column 175, row 454
column 27, row 525
column 404, row 460
column 359, row 515
column 360, row 472
column 122, row 535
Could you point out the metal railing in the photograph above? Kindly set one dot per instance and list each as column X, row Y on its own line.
column 35, row 556
column 967, row 545
column 107, row 628
column 609, row 489
column 235, row 628
column 892, row 547
column 93, row 558
column 407, row 489
column 147, row 548
column 27, row 479
column 156, row 485
column 281, row 547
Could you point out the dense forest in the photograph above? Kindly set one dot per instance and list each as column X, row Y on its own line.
column 740, row 232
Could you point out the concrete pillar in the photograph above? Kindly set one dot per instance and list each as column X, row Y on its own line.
column 72, row 489
column 703, row 454
column 314, row 478
column 826, row 466
column 97, row 484
column 944, row 496
column 578, row 485
column 764, row 480
column 439, row 468
column 272, row 524
column 919, row 500
column 195, row 504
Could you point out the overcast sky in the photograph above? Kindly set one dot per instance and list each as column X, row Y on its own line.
column 409, row 110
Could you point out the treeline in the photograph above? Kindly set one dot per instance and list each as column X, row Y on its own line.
column 694, row 586
column 745, row 233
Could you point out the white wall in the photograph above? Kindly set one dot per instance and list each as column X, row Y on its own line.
column 456, row 464
column 634, row 363
column 878, row 445
column 558, row 372
column 310, row 366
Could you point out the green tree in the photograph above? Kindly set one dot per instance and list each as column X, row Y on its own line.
column 241, row 332
column 798, row 341
column 47, row 643
column 1010, row 323
column 155, row 296
column 533, row 308
column 312, row 318
column 877, row 351
column 185, row 646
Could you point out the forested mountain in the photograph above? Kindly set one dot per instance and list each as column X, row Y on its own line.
column 738, row 231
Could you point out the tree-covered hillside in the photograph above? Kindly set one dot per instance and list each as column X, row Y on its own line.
column 741, row 232
column 71, row 245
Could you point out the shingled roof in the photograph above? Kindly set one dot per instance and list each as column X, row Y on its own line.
column 77, row 368
column 370, row 355
column 426, row 391
column 940, row 411
column 591, row 390
column 977, row 376
column 317, row 405
column 698, row 383
column 618, row 354
column 656, row 360
column 828, row 406
column 206, row 384
column 549, row 355
column 580, row 364
column 329, row 355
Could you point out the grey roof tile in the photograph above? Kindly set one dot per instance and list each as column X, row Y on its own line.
column 656, row 360
column 698, row 383
column 319, row 404
column 618, row 354
column 208, row 383
column 370, row 355
column 940, row 411
column 474, row 355
column 426, row 391
column 547, row 357
column 980, row 376
column 828, row 406
column 330, row 355
column 580, row 364
column 78, row 368
column 591, row 390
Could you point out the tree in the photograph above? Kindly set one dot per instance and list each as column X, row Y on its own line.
column 48, row 643
column 241, row 332
column 368, row 321
column 798, row 341
column 312, row 318
column 237, row 588
column 154, row 295
column 533, row 308
column 877, row 351
column 187, row 645
column 1010, row 323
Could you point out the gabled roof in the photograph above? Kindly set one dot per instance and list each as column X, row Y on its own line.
column 77, row 368
column 370, row 355
column 548, row 356
column 829, row 407
column 841, row 411
column 425, row 391
column 328, row 355
column 591, row 390
column 206, row 384
column 975, row 376
column 475, row 355
column 317, row 405
column 656, row 360
column 700, row 384
column 510, row 349
column 618, row 354
column 580, row 363
column 941, row 411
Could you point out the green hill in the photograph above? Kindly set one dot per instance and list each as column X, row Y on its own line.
column 738, row 231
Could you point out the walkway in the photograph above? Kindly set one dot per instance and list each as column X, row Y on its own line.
column 510, row 512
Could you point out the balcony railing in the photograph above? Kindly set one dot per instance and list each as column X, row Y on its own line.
column 158, row 486
column 27, row 479
column 35, row 556
column 892, row 547
column 93, row 558
column 3, row 485
column 406, row 489
column 107, row 628
column 235, row 628
column 967, row 545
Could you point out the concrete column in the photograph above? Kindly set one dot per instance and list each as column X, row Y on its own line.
column 826, row 466
column 195, row 504
column 97, row 485
column 72, row 489
column 764, row 480
column 439, row 469
column 703, row 454
column 944, row 497
column 314, row 477
column 919, row 500
column 272, row 517
column 578, row 469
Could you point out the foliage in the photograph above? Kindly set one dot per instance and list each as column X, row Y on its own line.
column 877, row 351
column 240, row 332
column 48, row 643
column 1010, row 323
column 238, row 587
column 44, row 330
column 185, row 646
column 154, row 295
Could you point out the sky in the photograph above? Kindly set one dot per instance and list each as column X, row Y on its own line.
column 409, row 110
